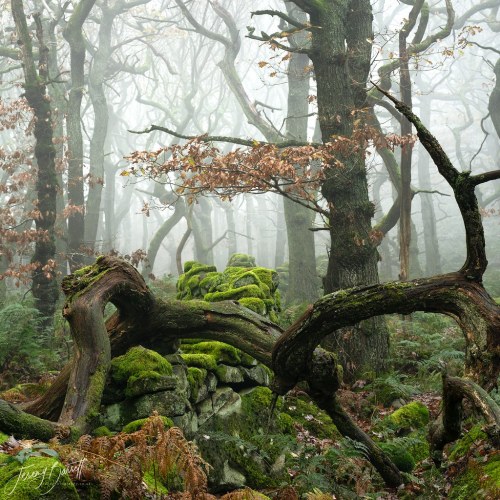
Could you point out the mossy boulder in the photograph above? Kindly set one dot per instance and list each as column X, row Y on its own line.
column 36, row 478
column 137, row 424
column 221, row 352
column 414, row 415
column 251, row 444
column 139, row 371
column 200, row 360
column 188, row 284
column 200, row 387
column 241, row 260
column 401, row 457
column 253, row 287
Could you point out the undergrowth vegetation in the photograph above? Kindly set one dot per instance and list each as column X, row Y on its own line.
column 297, row 451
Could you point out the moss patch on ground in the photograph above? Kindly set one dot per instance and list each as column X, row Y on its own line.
column 414, row 415
column 463, row 445
column 480, row 479
column 38, row 477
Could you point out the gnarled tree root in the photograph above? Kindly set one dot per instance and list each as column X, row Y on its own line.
column 449, row 425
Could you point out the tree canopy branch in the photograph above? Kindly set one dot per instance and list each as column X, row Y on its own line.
column 222, row 138
column 282, row 15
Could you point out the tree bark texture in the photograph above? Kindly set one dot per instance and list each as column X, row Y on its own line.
column 302, row 276
column 44, row 288
column 74, row 36
column 448, row 427
column 97, row 78
column 340, row 52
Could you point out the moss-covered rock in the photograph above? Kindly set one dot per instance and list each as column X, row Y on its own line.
column 241, row 260
column 414, row 415
column 221, row 352
column 401, row 457
column 37, row 477
column 137, row 424
column 254, row 287
column 200, row 360
column 138, row 360
column 149, row 382
column 138, row 371
column 255, row 304
column 189, row 283
column 196, row 378
column 101, row 431
column 229, row 375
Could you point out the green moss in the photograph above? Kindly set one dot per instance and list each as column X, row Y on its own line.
column 417, row 445
column 255, row 304
column 480, row 479
column 206, row 361
column 491, row 476
column 222, row 353
column 259, row 400
column 154, row 485
column 196, row 377
column 102, row 431
column 463, row 445
column 305, row 413
column 38, row 477
column 241, row 260
column 150, row 374
column 236, row 293
column 3, row 437
column 414, row 415
column 137, row 424
column 188, row 285
column 77, row 282
column 465, row 486
column 285, row 423
column 254, row 287
column 138, row 360
column 249, row 494
column 401, row 457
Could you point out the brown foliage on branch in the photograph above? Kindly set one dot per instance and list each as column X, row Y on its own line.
column 198, row 167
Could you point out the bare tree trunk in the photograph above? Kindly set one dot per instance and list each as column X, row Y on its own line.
column 44, row 286
column 73, row 34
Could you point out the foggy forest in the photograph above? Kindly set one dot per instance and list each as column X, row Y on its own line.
column 249, row 250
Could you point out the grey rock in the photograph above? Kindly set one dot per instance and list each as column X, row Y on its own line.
column 229, row 374
column 168, row 403
column 223, row 402
column 151, row 385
